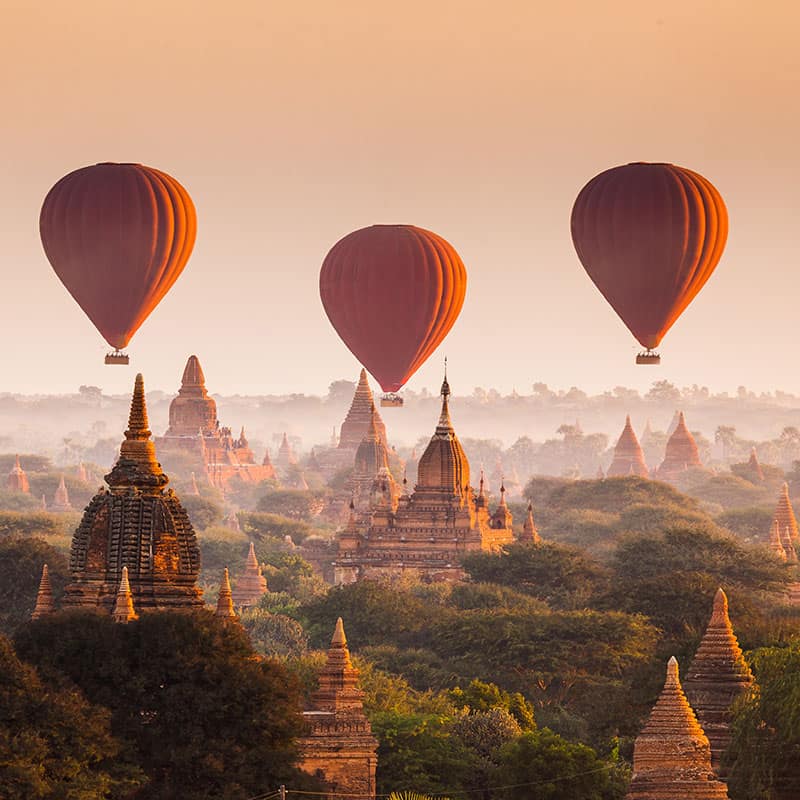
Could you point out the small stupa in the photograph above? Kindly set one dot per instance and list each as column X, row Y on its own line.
column 784, row 517
column 251, row 585
column 286, row 457
column 754, row 470
column 628, row 455
column 681, row 452
column 61, row 501
column 44, row 599
column 224, row 599
column 717, row 677
column 529, row 533
column 123, row 608
column 672, row 756
column 17, row 480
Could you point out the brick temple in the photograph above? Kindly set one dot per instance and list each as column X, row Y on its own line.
column 628, row 455
column 681, row 453
column 424, row 533
column 138, row 523
column 195, row 434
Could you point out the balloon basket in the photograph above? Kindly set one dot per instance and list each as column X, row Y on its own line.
column 648, row 357
column 117, row 358
column 391, row 400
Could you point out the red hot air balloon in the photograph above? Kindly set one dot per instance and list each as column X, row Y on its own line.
column 118, row 236
column 649, row 235
column 392, row 292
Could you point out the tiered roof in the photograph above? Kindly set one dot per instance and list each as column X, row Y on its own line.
column 628, row 456
column 681, row 452
column 251, row 586
column 672, row 756
column 359, row 415
column 44, row 599
column 136, row 524
column 717, row 677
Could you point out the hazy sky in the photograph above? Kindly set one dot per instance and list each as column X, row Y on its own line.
column 293, row 123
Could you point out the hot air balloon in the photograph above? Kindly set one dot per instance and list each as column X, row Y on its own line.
column 118, row 236
column 649, row 236
column 392, row 292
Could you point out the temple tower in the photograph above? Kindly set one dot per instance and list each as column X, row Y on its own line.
column 754, row 467
column 784, row 517
column 137, row 525
column 529, row 533
column 224, row 599
column 123, row 607
column 44, row 599
column 717, row 677
column 371, row 460
column 339, row 748
column 681, row 453
column 192, row 411
column 671, row 756
column 286, row 457
column 17, row 480
column 355, row 425
column 251, row 586
column 61, row 501
column 628, row 455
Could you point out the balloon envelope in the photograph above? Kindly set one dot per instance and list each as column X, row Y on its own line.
column 649, row 236
column 392, row 292
column 118, row 236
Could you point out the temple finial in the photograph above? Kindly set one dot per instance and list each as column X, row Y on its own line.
column 339, row 639
column 138, row 424
column 123, row 608
column 225, row 598
column 44, row 599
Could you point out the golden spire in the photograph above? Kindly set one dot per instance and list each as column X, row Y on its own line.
column 225, row 598
column 137, row 464
column 444, row 418
column 44, row 599
column 252, row 561
column 123, row 608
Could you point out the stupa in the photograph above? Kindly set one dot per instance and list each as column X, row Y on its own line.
column 17, row 480
column 360, row 416
column 672, row 756
column 61, row 501
column 286, row 457
column 529, row 533
column 784, row 517
column 195, row 432
column 251, row 585
column 44, row 598
column 628, row 456
column 371, row 461
column 137, row 524
column 681, row 453
column 339, row 747
column 123, row 607
column 716, row 678
column 756, row 474
column 224, row 599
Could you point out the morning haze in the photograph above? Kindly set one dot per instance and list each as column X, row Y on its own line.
column 291, row 125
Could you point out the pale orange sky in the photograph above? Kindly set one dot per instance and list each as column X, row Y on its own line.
column 293, row 123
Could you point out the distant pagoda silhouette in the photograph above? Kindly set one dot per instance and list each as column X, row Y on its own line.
column 681, row 453
column 251, row 585
column 17, row 480
column 359, row 417
column 138, row 524
column 628, row 455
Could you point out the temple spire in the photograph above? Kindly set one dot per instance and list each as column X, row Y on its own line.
column 784, row 517
column 672, row 756
column 225, row 598
column 444, row 418
column 628, row 455
column 61, row 498
column 44, row 599
column 717, row 677
column 529, row 533
column 123, row 609
column 251, row 585
column 776, row 541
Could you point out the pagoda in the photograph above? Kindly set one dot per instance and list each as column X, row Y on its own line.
column 717, row 677
column 755, row 473
column 17, row 480
column 339, row 747
column 44, row 599
column 61, row 501
column 195, row 432
column 371, row 464
column 139, row 525
column 252, row 585
column 430, row 529
column 225, row 599
column 286, row 457
column 361, row 414
column 628, row 455
column 785, row 520
column 123, row 607
column 529, row 533
column 672, row 756
column 681, row 453
column 776, row 542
